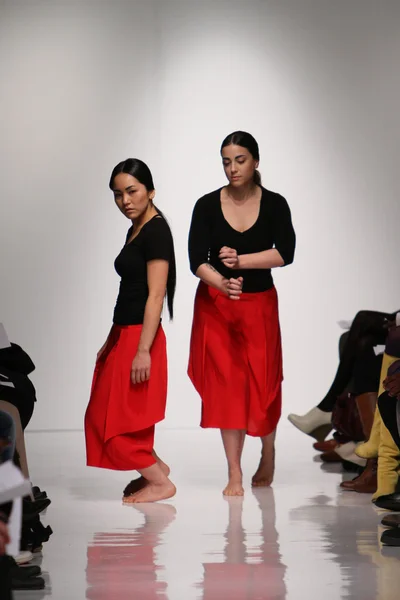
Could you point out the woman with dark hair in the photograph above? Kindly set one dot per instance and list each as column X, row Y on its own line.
column 129, row 387
column 238, row 234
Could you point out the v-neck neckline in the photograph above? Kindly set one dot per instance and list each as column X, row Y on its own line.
column 226, row 220
column 143, row 226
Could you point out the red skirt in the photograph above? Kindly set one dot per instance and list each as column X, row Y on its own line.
column 120, row 417
column 236, row 360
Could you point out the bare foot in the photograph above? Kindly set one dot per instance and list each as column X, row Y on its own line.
column 138, row 484
column 235, row 486
column 153, row 493
column 264, row 475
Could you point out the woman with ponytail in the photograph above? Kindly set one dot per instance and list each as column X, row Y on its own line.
column 238, row 234
column 129, row 387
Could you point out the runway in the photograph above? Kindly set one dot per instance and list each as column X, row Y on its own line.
column 301, row 539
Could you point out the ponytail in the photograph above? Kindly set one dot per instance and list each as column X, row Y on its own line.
column 257, row 178
column 171, row 281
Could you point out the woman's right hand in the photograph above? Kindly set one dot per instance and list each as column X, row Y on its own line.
column 100, row 352
column 233, row 288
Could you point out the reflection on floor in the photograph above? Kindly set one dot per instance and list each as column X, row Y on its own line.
column 303, row 538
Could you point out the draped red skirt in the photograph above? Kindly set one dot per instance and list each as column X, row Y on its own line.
column 120, row 417
column 235, row 360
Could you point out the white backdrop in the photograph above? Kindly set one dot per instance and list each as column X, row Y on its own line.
column 86, row 84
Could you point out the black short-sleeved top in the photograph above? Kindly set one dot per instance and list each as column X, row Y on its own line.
column 154, row 241
column 210, row 231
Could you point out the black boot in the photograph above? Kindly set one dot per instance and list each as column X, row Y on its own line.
column 34, row 535
column 32, row 509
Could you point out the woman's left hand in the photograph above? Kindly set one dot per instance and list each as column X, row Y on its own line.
column 229, row 257
column 392, row 385
column 141, row 366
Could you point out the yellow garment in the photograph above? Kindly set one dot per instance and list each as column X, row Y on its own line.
column 370, row 449
column 388, row 464
column 381, row 444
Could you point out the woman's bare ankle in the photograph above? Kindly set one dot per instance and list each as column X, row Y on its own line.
column 235, row 473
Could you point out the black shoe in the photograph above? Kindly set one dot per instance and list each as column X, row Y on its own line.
column 391, row 521
column 32, row 583
column 38, row 493
column 25, row 572
column 40, row 496
column 34, row 535
column 33, row 509
column 389, row 502
column 391, row 537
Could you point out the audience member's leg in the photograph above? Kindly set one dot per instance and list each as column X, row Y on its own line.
column 389, row 452
column 366, row 326
column 20, row 439
column 367, row 372
column 367, row 368
column 393, row 343
column 388, row 410
column 7, row 436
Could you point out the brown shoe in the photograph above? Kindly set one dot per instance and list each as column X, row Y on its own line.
column 331, row 457
column 326, row 446
column 366, row 483
column 391, row 520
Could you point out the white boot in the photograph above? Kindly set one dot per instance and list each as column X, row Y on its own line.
column 23, row 558
column 346, row 452
column 315, row 423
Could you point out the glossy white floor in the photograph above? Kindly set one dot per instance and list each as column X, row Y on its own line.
column 302, row 539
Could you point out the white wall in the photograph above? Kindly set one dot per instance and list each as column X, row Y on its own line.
column 88, row 83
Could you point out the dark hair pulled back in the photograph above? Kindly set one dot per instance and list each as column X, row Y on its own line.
column 246, row 140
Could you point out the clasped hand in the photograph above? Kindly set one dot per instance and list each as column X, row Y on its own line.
column 233, row 287
column 229, row 257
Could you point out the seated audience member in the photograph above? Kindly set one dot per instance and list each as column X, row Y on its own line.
column 17, row 398
column 389, row 409
column 369, row 329
column 12, row 575
column 381, row 449
column 17, row 394
column 387, row 416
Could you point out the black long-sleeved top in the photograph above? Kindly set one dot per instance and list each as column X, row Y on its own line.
column 210, row 231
